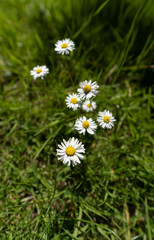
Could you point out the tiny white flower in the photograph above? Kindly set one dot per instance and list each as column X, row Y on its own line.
column 105, row 119
column 64, row 46
column 73, row 101
column 89, row 106
column 70, row 151
column 88, row 89
column 39, row 71
column 84, row 125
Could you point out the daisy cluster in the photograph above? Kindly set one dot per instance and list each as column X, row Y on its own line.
column 72, row 151
column 83, row 99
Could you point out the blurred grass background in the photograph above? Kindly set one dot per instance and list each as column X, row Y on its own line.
column 109, row 196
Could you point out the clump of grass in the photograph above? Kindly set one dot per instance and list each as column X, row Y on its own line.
column 110, row 195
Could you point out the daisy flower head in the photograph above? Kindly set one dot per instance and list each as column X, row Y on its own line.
column 64, row 46
column 89, row 106
column 88, row 89
column 39, row 71
column 70, row 151
column 83, row 125
column 73, row 101
column 105, row 119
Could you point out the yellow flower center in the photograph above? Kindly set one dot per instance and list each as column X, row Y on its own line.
column 85, row 124
column 106, row 119
column 87, row 88
column 89, row 105
column 38, row 70
column 70, row 151
column 64, row 45
column 74, row 100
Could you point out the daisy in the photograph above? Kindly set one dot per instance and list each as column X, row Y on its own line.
column 88, row 89
column 84, row 125
column 70, row 151
column 105, row 119
column 39, row 71
column 89, row 106
column 64, row 46
column 73, row 101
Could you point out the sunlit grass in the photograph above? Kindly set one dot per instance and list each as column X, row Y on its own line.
column 108, row 196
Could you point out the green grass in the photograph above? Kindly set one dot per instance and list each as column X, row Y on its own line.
column 108, row 196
